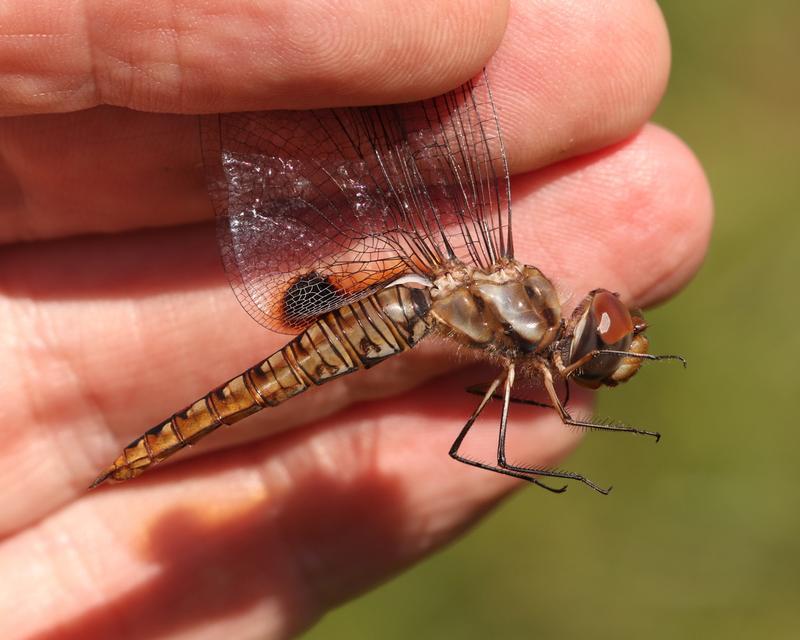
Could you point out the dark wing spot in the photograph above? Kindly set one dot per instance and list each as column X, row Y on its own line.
column 308, row 296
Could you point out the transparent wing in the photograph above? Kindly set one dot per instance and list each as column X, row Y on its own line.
column 318, row 208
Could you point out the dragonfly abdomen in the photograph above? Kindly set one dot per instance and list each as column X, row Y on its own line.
column 354, row 336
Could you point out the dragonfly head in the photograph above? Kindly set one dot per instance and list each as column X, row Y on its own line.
column 603, row 342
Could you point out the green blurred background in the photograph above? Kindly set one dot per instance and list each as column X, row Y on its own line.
column 702, row 536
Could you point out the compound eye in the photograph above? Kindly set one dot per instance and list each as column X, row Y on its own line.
column 613, row 319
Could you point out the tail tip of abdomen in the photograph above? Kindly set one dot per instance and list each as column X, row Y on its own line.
column 107, row 473
column 115, row 473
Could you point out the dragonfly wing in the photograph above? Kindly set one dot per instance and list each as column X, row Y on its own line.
column 316, row 209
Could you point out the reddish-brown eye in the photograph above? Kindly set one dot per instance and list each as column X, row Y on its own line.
column 612, row 317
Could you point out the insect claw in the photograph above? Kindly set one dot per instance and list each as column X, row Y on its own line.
column 653, row 434
column 594, row 486
column 680, row 359
column 561, row 489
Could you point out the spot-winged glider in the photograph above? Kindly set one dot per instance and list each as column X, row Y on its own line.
column 364, row 230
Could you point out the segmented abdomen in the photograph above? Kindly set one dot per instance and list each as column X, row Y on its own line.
column 355, row 336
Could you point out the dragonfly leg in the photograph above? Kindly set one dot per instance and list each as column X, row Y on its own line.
column 502, row 463
column 489, row 394
column 480, row 389
column 570, row 369
column 567, row 419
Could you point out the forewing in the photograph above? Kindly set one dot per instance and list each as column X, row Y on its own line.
column 318, row 208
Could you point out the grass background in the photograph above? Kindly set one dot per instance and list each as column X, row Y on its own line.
column 702, row 536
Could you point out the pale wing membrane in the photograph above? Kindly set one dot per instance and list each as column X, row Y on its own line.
column 318, row 208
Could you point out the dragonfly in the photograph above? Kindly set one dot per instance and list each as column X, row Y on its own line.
column 363, row 230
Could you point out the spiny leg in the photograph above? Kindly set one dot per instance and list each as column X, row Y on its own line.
column 482, row 465
column 479, row 390
column 501, row 444
column 567, row 419
column 566, row 371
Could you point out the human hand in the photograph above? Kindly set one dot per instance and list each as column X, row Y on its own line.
column 105, row 335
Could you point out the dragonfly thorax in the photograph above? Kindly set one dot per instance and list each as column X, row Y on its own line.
column 511, row 308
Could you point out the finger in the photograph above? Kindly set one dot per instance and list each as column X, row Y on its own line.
column 560, row 90
column 267, row 537
column 563, row 89
column 106, row 337
column 635, row 218
column 200, row 57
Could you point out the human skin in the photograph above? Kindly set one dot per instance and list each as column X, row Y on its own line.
column 115, row 310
